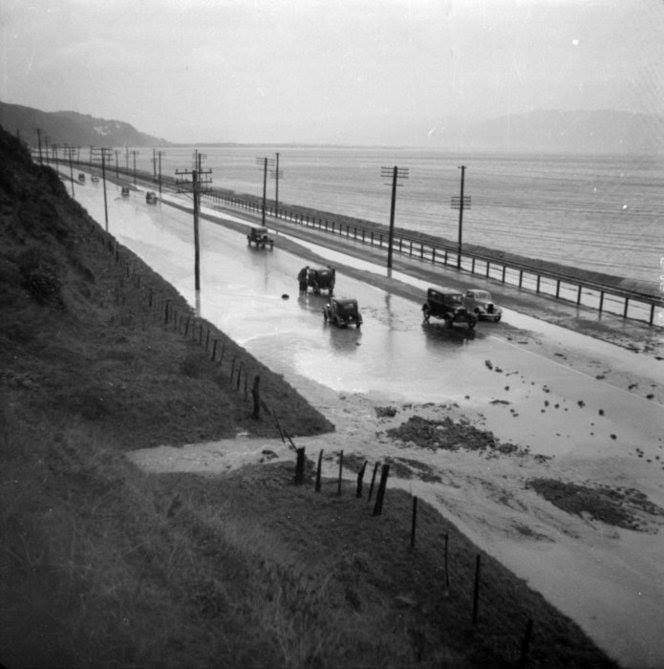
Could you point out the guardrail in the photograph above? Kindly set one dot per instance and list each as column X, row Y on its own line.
column 629, row 304
column 560, row 286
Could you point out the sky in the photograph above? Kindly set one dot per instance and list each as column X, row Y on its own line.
column 329, row 71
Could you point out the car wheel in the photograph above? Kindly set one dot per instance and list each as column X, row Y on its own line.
column 497, row 318
column 324, row 316
column 449, row 321
column 471, row 324
column 426, row 313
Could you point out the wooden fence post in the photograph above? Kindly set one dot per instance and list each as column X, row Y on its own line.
column 341, row 468
column 373, row 480
column 360, row 480
column 413, row 523
column 447, row 571
column 476, row 589
column 214, row 350
column 299, row 466
column 380, row 495
column 318, row 471
column 255, row 393
column 525, row 644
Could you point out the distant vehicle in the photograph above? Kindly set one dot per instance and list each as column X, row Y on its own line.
column 94, row 178
column 447, row 303
column 342, row 313
column 259, row 236
column 81, row 177
column 322, row 278
column 125, row 191
column 151, row 197
column 480, row 302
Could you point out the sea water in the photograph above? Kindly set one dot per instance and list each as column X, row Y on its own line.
column 600, row 213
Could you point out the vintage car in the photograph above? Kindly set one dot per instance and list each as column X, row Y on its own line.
column 342, row 313
column 447, row 303
column 151, row 197
column 259, row 236
column 125, row 191
column 322, row 278
column 81, row 177
column 480, row 302
column 94, row 178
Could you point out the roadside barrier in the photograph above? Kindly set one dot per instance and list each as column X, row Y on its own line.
column 560, row 286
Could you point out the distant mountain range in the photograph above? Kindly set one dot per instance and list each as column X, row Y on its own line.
column 69, row 127
column 601, row 131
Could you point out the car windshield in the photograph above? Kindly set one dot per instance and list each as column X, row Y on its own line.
column 456, row 298
column 482, row 295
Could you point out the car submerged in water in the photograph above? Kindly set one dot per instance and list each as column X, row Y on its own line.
column 480, row 302
column 151, row 197
column 448, row 304
column 342, row 313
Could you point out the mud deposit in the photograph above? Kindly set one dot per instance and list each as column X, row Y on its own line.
column 621, row 507
column 451, row 435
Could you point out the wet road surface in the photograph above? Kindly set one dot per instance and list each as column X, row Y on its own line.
column 525, row 397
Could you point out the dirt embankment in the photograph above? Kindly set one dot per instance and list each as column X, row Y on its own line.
column 103, row 564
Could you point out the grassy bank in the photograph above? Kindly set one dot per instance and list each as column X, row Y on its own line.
column 102, row 564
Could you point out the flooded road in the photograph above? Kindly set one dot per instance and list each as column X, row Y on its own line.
column 594, row 409
column 525, row 397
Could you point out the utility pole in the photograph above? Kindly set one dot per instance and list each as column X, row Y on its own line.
column 159, row 155
column 462, row 202
column 70, row 154
column 127, row 158
column 277, row 174
column 134, row 153
column 102, row 153
column 264, row 162
column 199, row 178
column 117, row 173
column 46, row 138
column 264, row 190
column 38, row 131
column 396, row 173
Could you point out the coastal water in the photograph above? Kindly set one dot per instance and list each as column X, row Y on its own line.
column 600, row 213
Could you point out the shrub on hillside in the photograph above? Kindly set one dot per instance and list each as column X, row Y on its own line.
column 39, row 277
